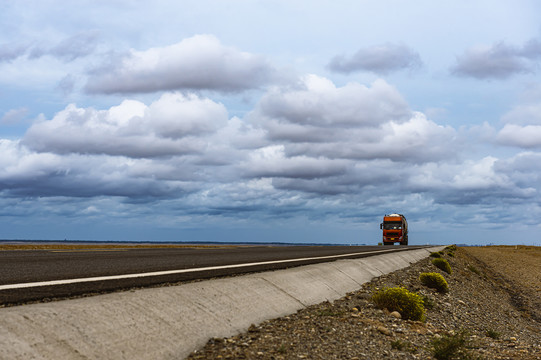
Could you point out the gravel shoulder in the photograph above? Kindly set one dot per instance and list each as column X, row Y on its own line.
column 487, row 307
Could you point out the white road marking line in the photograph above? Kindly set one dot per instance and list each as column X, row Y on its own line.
column 172, row 272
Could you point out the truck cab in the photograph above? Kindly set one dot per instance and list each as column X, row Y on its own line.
column 395, row 229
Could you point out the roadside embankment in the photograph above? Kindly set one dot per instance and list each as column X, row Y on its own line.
column 477, row 318
column 170, row 322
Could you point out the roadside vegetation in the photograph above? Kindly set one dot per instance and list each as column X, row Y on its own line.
column 435, row 281
column 442, row 264
column 408, row 304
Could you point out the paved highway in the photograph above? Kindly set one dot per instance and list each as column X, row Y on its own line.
column 37, row 275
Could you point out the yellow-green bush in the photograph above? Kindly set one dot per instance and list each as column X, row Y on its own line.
column 435, row 281
column 451, row 248
column 442, row 264
column 408, row 304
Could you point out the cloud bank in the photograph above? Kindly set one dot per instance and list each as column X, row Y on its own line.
column 312, row 149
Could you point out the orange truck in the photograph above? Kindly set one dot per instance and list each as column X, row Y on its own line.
column 395, row 229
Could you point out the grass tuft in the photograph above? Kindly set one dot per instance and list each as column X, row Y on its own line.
column 435, row 281
column 473, row 269
column 451, row 347
column 408, row 304
column 442, row 264
column 492, row 334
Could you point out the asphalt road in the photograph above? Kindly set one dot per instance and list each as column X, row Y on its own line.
column 41, row 275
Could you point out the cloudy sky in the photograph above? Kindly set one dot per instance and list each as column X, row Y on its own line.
column 291, row 121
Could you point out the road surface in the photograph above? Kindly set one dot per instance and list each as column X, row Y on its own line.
column 40, row 275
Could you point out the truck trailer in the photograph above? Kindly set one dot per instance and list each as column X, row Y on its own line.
column 395, row 229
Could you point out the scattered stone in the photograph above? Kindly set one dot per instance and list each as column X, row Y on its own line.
column 384, row 330
column 396, row 314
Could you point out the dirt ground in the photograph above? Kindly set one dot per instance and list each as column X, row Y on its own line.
column 517, row 267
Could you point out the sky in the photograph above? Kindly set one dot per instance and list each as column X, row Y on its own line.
column 270, row 121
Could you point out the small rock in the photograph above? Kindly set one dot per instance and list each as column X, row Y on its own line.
column 384, row 330
column 461, row 302
column 396, row 314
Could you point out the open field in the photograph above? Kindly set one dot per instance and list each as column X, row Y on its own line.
column 520, row 264
column 518, row 268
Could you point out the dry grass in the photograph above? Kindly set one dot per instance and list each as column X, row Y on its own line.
column 520, row 264
column 520, row 267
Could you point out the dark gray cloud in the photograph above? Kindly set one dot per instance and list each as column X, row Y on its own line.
column 69, row 49
column 381, row 59
column 12, row 51
column 499, row 61
column 197, row 63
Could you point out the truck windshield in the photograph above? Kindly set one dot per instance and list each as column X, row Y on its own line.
column 392, row 225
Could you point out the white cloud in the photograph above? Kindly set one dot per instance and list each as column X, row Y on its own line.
column 529, row 113
column 199, row 62
column 317, row 102
column 522, row 123
column 351, row 122
column 528, row 136
column 14, row 116
column 169, row 126
column 381, row 59
column 271, row 161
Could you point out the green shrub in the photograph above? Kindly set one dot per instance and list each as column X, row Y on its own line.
column 435, row 281
column 398, row 345
column 436, row 254
column 451, row 254
column 408, row 304
column 492, row 334
column 442, row 264
column 451, row 347
column 451, row 248
column 473, row 269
